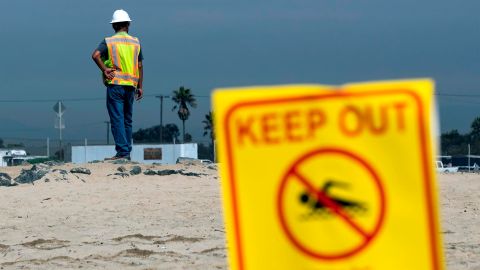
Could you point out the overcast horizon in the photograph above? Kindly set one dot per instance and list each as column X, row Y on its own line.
column 207, row 44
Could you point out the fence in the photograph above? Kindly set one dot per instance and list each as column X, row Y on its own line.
column 54, row 148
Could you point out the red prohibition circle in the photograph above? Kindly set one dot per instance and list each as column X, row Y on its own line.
column 369, row 236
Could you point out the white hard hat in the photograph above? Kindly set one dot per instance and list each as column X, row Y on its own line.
column 120, row 15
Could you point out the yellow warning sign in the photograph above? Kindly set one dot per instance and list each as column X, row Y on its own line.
column 329, row 178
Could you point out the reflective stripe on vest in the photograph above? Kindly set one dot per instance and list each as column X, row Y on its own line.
column 126, row 77
column 124, row 40
column 123, row 51
column 136, row 51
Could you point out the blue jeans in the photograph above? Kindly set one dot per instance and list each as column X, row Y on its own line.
column 120, row 107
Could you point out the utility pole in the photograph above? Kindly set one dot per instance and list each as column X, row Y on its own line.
column 86, row 143
column 60, row 129
column 108, row 131
column 59, row 108
column 161, row 97
column 468, row 157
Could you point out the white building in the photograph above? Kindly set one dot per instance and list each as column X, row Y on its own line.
column 143, row 153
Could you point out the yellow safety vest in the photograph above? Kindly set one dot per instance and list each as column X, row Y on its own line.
column 123, row 51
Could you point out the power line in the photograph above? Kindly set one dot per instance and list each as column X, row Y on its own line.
column 196, row 96
column 461, row 101
column 457, row 95
column 71, row 99
column 48, row 100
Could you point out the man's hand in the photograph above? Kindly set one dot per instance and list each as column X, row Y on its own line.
column 109, row 73
column 138, row 94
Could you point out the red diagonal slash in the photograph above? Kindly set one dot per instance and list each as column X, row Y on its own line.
column 331, row 204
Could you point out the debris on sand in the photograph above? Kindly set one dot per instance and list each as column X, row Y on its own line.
column 122, row 174
column 58, row 175
column 38, row 171
column 122, row 161
column 122, row 169
column 212, row 167
column 150, row 172
column 60, row 171
column 81, row 170
column 193, row 161
column 171, row 172
column 161, row 172
column 187, row 161
column 52, row 163
column 190, row 173
column 5, row 180
column 35, row 173
column 136, row 170
column 167, row 172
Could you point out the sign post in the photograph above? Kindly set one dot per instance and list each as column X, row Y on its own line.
column 319, row 177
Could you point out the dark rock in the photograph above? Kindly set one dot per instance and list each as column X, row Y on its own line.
column 122, row 174
column 5, row 180
column 136, row 170
column 150, row 172
column 167, row 172
column 53, row 163
column 121, row 169
column 35, row 173
column 170, row 172
column 81, row 170
column 190, row 174
column 95, row 161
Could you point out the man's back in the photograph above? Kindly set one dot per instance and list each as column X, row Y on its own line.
column 123, row 56
column 119, row 57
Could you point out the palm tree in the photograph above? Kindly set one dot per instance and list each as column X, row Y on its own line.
column 183, row 98
column 475, row 129
column 208, row 129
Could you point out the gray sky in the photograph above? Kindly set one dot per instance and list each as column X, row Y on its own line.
column 204, row 44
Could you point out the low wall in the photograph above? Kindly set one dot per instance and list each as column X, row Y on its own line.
column 143, row 153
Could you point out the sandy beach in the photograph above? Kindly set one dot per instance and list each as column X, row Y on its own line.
column 460, row 209
column 108, row 221
column 112, row 222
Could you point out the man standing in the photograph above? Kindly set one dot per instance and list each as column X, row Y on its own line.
column 119, row 57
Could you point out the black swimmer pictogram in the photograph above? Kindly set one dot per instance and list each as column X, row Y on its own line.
column 315, row 195
column 351, row 207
